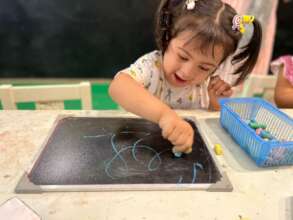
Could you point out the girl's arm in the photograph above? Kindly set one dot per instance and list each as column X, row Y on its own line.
column 134, row 98
column 283, row 92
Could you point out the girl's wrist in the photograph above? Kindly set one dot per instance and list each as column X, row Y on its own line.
column 214, row 104
column 166, row 113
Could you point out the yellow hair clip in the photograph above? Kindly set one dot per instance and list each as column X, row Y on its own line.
column 239, row 21
column 247, row 19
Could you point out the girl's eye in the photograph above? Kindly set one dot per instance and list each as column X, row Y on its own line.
column 204, row 69
column 182, row 58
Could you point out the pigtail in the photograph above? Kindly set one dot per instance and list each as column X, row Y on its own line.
column 248, row 54
column 163, row 26
column 164, row 22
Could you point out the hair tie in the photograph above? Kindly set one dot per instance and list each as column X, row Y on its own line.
column 239, row 22
column 165, row 20
column 190, row 4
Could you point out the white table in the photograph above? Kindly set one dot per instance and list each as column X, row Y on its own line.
column 257, row 193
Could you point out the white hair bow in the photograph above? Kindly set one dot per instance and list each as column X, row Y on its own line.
column 190, row 4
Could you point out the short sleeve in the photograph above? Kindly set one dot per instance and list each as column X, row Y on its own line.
column 146, row 70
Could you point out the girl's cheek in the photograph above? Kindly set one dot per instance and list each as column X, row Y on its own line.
column 201, row 77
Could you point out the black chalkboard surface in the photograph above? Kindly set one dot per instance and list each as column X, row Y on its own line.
column 84, row 150
column 73, row 38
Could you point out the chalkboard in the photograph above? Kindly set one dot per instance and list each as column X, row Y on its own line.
column 73, row 38
column 85, row 151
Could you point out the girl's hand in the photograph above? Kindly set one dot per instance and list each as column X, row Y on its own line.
column 177, row 131
column 218, row 88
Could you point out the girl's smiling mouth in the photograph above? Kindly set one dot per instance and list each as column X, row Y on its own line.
column 179, row 79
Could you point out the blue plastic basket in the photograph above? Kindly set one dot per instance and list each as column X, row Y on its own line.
column 235, row 115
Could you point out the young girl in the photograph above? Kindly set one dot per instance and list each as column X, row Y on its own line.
column 194, row 37
column 283, row 67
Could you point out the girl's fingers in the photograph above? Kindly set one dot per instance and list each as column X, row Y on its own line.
column 181, row 148
column 227, row 93
column 218, row 85
column 213, row 81
column 167, row 131
column 188, row 151
column 185, row 139
column 224, row 87
column 180, row 140
column 184, row 143
column 176, row 133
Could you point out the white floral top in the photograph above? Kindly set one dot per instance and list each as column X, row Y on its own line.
column 147, row 70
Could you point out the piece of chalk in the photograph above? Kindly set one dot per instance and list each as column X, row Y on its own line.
column 218, row 149
column 258, row 131
column 244, row 218
column 253, row 125
column 266, row 135
column 263, row 126
column 176, row 153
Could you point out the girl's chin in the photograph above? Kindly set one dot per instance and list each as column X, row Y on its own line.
column 175, row 84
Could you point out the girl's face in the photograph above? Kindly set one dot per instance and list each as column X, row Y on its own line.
column 184, row 64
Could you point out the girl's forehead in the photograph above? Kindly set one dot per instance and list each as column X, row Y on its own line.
column 193, row 45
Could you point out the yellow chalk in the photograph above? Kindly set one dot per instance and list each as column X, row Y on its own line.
column 218, row 149
column 243, row 218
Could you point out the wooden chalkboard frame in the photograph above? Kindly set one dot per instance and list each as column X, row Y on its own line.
column 223, row 185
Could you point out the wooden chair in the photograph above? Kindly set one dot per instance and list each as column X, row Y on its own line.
column 263, row 85
column 46, row 96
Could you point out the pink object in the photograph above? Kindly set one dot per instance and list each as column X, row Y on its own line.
column 15, row 209
column 236, row 22
column 287, row 61
column 258, row 131
column 260, row 9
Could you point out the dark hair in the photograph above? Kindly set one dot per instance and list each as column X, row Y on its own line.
column 211, row 22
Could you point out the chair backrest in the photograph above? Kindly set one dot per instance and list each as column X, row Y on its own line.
column 46, row 96
column 260, row 84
